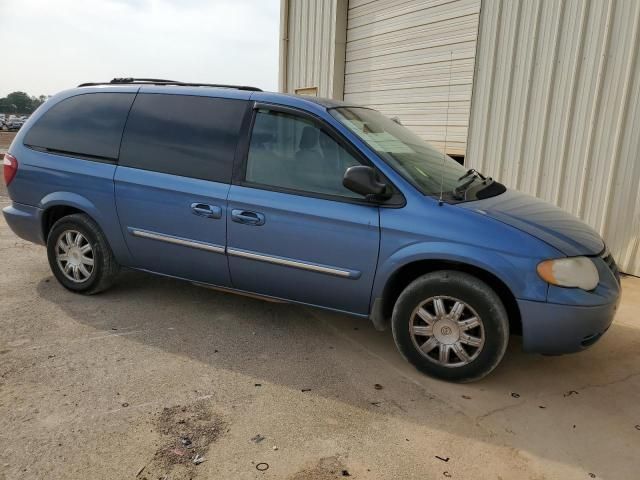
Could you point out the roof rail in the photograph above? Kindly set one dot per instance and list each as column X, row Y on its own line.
column 158, row 81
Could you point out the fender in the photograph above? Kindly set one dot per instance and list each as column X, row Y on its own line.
column 506, row 267
column 107, row 221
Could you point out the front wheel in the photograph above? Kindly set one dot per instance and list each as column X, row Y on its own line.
column 451, row 325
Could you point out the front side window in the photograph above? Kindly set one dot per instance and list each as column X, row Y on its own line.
column 86, row 125
column 291, row 152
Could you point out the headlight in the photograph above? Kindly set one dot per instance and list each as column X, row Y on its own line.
column 577, row 272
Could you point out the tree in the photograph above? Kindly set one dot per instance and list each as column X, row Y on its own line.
column 20, row 102
column 6, row 107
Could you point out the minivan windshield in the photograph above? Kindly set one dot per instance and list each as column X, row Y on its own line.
column 421, row 164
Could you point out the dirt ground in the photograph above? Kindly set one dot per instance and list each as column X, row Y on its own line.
column 141, row 380
column 5, row 140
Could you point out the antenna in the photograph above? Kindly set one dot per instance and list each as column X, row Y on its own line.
column 446, row 129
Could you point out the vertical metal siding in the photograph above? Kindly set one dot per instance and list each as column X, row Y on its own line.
column 310, row 48
column 397, row 61
column 556, row 111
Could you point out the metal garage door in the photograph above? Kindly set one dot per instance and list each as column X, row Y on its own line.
column 397, row 60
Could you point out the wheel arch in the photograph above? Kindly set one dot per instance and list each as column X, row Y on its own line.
column 60, row 204
column 400, row 278
column 54, row 213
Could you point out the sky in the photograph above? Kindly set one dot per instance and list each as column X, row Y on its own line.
column 52, row 45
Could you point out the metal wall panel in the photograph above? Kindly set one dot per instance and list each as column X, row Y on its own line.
column 398, row 56
column 556, row 110
column 312, row 46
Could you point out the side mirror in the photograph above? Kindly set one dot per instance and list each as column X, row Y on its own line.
column 363, row 180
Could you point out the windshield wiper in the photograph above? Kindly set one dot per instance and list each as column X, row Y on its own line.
column 460, row 192
column 472, row 171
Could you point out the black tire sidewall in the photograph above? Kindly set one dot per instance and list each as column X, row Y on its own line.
column 81, row 224
column 478, row 296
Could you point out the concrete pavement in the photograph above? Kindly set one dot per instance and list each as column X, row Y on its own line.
column 106, row 387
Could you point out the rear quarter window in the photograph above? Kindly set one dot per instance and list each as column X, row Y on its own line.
column 189, row 136
column 89, row 124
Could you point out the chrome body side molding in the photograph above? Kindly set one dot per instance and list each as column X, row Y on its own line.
column 185, row 242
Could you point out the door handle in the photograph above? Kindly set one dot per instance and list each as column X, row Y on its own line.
column 247, row 217
column 204, row 210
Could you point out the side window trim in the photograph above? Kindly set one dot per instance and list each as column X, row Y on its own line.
column 242, row 149
column 80, row 156
column 126, row 120
column 242, row 155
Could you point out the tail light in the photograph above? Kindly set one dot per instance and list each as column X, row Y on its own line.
column 10, row 168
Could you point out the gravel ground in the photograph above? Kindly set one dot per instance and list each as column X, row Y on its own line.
column 137, row 381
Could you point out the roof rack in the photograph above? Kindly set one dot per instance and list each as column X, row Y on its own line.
column 158, row 81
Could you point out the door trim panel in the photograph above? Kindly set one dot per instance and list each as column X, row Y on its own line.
column 185, row 242
column 314, row 267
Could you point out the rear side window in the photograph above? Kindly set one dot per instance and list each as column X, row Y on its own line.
column 89, row 125
column 183, row 135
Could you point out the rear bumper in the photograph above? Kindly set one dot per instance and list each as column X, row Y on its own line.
column 555, row 329
column 25, row 221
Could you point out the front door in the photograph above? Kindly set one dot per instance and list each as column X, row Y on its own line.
column 294, row 231
column 172, row 182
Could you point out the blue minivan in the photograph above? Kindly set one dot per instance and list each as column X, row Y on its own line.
column 308, row 200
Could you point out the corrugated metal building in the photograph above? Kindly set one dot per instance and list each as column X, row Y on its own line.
column 541, row 94
column 394, row 55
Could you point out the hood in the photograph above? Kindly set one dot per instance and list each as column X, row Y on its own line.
column 547, row 222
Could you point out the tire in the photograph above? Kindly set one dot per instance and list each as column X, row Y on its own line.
column 443, row 312
column 90, row 249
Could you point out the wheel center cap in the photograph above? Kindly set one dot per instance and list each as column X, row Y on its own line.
column 446, row 331
column 75, row 257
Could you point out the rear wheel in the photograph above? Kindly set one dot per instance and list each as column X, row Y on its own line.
column 451, row 325
column 80, row 256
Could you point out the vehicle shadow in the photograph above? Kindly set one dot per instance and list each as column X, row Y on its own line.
column 550, row 407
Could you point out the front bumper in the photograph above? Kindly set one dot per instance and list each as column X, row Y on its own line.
column 553, row 329
column 25, row 221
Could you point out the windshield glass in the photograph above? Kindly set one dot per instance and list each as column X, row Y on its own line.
column 416, row 160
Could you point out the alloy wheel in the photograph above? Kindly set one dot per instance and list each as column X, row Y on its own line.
column 74, row 256
column 447, row 331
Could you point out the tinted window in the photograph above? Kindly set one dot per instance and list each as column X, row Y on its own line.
column 293, row 153
column 89, row 124
column 183, row 135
